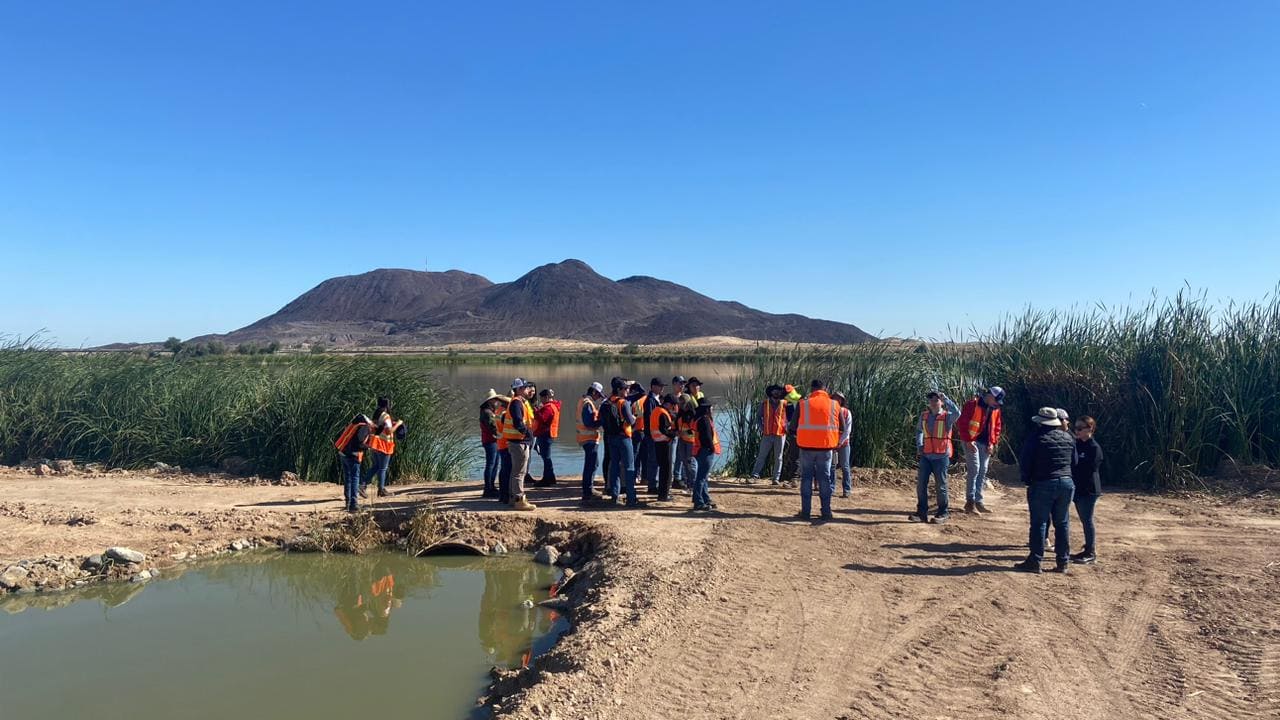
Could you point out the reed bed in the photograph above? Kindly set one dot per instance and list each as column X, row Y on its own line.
column 126, row 411
column 1179, row 387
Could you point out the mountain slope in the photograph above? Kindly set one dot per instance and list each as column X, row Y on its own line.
column 565, row 300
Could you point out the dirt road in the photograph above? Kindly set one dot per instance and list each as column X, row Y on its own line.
column 751, row 614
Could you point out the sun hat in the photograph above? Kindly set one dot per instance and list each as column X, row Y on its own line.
column 488, row 396
column 694, row 381
column 1046, row 416
column 998, row 393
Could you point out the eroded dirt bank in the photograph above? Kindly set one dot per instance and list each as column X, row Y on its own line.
column 748, row 613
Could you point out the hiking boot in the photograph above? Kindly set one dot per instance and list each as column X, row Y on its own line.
column 545, row 482
column 489, row 493
column 664, row 498
column 699, row 508
column 913, row 517
column 383, row 492
column 981, row 508
column 1028, row 565
column 825, row 517
column 802, row 516
column 1061, row 568
column 940, row 519
column 969, row 506
column 363, row 491
column 1085, row 557
column 522, row 504
column 844, row 494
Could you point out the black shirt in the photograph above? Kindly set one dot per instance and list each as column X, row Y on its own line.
column 1048, row 454
column 1088, row 482
column 357, row 441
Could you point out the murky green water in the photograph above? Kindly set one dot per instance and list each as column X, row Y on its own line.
column 277, row 636
column 570, row 381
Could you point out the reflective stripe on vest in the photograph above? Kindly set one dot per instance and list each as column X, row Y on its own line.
column 715, row 441
column 502, row 429
column 818, row 428
column 774, row 421
column 385, row 444
column 586, row 434
column 509, row 430
column 655, row 423
column 937, row 436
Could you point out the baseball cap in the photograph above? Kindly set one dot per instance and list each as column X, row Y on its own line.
column 677, row 379
column 998, row 393
column 518, row 383
column 658, row 382
column 597, row 387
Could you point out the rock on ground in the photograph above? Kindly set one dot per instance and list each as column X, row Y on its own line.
column 547, row 555
column 125, row 555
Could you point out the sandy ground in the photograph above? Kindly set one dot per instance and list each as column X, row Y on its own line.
column 749, row 613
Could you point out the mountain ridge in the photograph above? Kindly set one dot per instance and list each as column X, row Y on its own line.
column 567, row 300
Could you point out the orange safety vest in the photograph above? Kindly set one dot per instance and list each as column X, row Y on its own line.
column 637, row 407
column 774, row 421
column 818, row 423
column 655, row 423
column 384, row 443
column 621, row 404
column 509, row 430
column 686, row 430
column 937, row 437
column 345, row 439
column 502, row 425
column 715, row 441
column 586, row 434
column 554, row 431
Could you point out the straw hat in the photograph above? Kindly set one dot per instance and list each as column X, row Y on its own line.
column 491, row 395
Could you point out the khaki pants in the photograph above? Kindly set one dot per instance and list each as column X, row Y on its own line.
column 519, row 467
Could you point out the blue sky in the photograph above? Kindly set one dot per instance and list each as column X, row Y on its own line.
column 181, row 168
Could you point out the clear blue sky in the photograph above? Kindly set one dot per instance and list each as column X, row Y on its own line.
column 180, row 168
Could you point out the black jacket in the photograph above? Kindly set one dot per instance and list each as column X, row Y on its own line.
column 1048, row 454
column 706, row 432
column 1088, row 482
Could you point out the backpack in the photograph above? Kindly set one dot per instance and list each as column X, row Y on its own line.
column 610, row 419
column 402, row 432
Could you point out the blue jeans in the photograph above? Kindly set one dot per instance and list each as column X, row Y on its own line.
column 770, row 445
column 590, row 459
column 701, row 489
column 649, row 464
column 379, row 468
column 350, row 480
column 840, row 459
column 815, row 467
column 936, row 466
column 1050, row 500
column 622, row 468
column 1084, row 508
column 490, row 467
column 504, row 475
column 976, row 462
column 542, row 446
column 683, row 471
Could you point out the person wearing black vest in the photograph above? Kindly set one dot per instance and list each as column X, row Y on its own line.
column 648, row 450
column 1088, row 485
column 1046, row 463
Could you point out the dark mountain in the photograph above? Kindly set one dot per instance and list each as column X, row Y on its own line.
column 565, row 300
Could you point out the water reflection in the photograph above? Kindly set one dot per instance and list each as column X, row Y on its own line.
column 507, row 630
column 364, row 604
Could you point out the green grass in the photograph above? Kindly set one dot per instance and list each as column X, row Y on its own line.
column 131, row 412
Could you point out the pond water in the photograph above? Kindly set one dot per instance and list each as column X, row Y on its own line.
column 570, row 381
column 276, row 635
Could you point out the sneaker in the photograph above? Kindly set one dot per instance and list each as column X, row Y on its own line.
column 775, row 483
column 970, row 506
column 940, row 519
column 489, row 493
column 545, row 482
column 363, row 491
column 826, row 517
column 802, row 516
column 634, row 504
column 751, row 480
column 522, row 504
column 981, row 508
column 1084, row 558
column 664, row 498
column 913, row 517
column 383, row 492
column 1028, row 565
column 844, row 494
column 712, row 506
column 1060, row 568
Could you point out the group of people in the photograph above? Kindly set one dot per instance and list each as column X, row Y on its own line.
column 377, row 438
column 665, row 439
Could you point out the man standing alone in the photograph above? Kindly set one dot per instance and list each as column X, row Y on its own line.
column 817, row 428
column 979, row 428
column 933, row 444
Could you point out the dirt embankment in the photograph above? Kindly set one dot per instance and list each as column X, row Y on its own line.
column 748, row 613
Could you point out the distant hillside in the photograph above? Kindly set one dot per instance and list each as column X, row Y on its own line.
column 565, row 300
